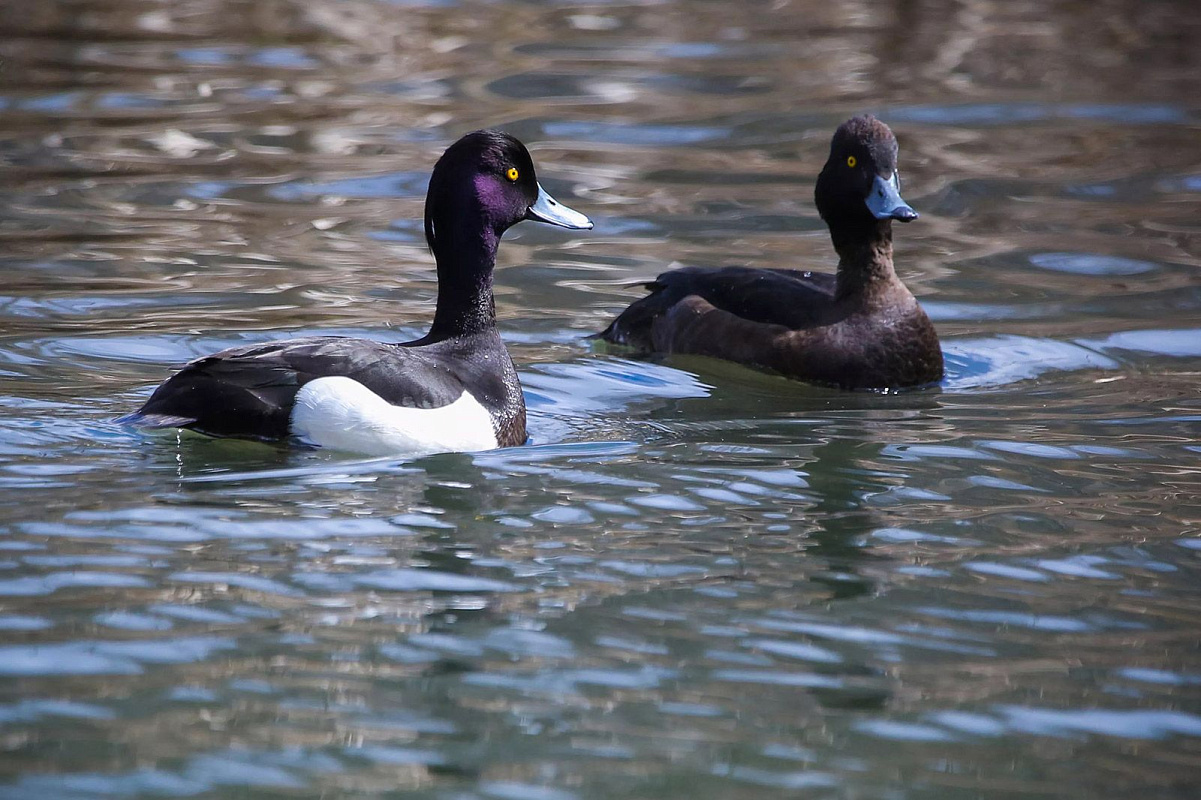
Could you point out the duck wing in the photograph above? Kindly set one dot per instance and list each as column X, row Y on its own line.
column 791, row 299
column 249, row 391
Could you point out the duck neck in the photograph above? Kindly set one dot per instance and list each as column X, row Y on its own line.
column 864, row 255
column 466, row 255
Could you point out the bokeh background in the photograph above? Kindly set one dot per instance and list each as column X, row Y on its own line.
column 695, row 581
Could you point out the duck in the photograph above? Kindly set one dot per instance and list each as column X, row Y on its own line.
column 859, row 328
column 453, row 390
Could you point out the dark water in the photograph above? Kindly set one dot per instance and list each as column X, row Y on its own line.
column 697, row 582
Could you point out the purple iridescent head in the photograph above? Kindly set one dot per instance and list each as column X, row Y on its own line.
column 486, row 179
column 860, row 181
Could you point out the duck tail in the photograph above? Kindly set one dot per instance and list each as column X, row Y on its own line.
column 606, row 334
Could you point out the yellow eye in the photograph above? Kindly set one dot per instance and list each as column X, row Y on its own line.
column 512, row 174
column 852, row 161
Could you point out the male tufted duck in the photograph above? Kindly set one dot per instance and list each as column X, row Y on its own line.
column 454, row 389
column 858, row 329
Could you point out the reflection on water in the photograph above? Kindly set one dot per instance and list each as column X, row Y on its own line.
column 696, row 581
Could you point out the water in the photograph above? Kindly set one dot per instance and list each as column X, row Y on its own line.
column 696, row 581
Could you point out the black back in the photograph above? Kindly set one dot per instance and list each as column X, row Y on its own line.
column 785, row 297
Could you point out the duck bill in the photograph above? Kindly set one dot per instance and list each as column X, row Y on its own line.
column 885, row 201
column 548, row 209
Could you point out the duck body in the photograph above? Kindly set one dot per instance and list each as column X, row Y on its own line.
column 455, row 389
column 789, row 322
column 860, row 328
column 358, row 395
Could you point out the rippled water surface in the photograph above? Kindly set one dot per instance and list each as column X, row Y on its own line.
column 696, row 581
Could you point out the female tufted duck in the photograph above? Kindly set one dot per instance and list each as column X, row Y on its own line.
column 455, row 389
column 858, row 329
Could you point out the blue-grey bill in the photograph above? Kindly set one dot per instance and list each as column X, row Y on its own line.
column 885, row 200
column 548, row 209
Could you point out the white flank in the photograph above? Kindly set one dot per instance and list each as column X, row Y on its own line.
column 343, row 414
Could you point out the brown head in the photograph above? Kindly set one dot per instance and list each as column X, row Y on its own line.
column 859, row 183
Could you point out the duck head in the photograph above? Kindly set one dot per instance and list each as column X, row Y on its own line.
column 484, row 184
column 859, row 183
